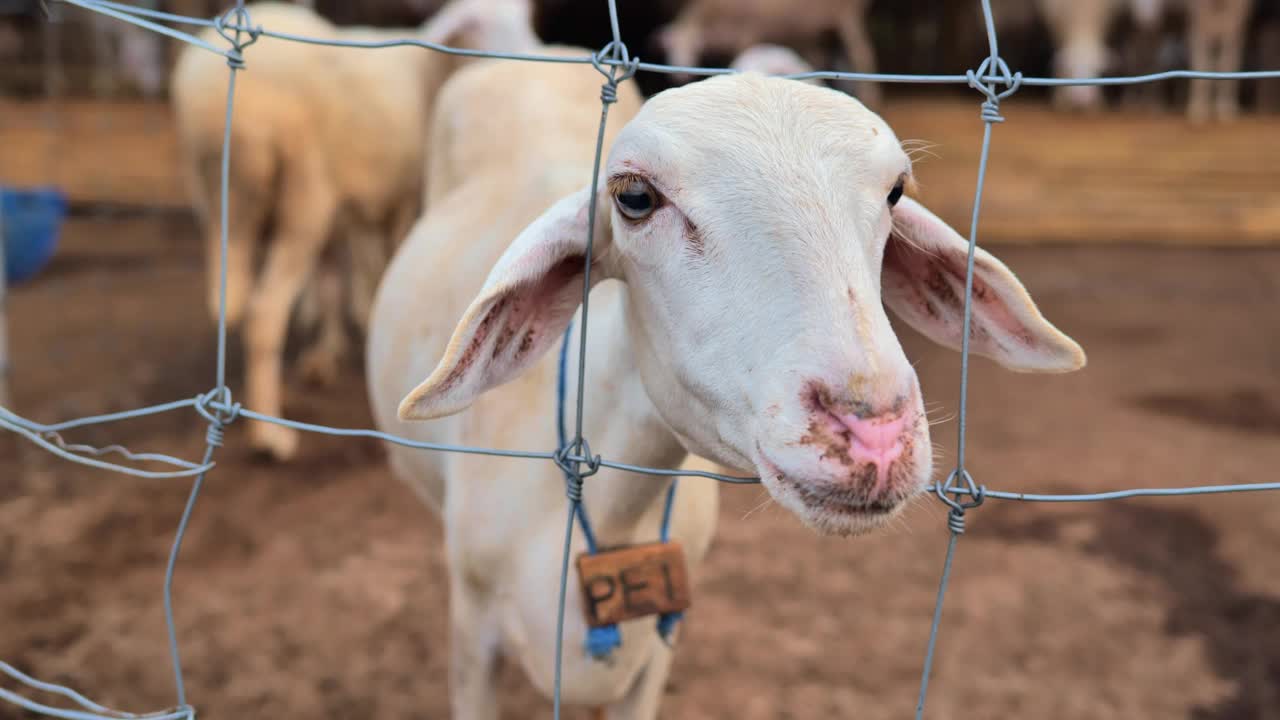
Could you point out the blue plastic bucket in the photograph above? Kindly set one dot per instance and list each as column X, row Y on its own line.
column 30, row 221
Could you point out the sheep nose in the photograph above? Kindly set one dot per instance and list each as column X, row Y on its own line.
column 865, row 436
column 875, row 439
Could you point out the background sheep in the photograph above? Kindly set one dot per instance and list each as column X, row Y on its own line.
column 1215, row 40
column 731, row 26
column 327, row 142
column 769, row 59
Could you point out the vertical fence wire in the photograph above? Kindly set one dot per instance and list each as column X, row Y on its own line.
column 214, row 434
column 959, row 504
column 615, row 50
column 959, row 492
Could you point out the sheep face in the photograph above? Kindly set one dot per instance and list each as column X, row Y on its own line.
column 761, row 228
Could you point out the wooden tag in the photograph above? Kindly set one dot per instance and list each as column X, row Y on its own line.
column 632, row 582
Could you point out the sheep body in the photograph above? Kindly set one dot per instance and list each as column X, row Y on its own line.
column 327, row 143
column 736, row 313
column 504, row 518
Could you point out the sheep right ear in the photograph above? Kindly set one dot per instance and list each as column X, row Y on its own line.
column 527, row 302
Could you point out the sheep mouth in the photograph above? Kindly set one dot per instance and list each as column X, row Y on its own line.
column 829, row 509
column 838, row 500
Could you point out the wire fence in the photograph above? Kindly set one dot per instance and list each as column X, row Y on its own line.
column 959, row 492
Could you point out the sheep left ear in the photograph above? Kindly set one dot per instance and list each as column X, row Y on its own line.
column 923, row 279
column 523, row 310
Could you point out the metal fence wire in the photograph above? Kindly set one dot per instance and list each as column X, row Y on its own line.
column 960, row 492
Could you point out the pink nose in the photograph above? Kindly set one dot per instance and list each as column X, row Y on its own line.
column 875, row 439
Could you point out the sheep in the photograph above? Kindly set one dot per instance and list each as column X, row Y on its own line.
column 771, row 59
column 731, row 26
column 1079, row 31
column 742, row 252
column 1215, row 38
column 1215, row 41
column 326, row 141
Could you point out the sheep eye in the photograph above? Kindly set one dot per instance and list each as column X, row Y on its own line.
column 636, row 200
column 895, row 194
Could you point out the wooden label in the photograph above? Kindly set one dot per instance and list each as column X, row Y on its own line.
column 631, row 582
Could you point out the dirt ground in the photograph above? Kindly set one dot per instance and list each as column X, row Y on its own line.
column 317, row 589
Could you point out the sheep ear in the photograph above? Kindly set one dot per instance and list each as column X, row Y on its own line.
column 923, row 279
column 523, row 310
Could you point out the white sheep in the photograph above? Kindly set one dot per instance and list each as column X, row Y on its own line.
column 731, row 26
column 769, row 59
column 1215, row 41
column 1214, row 35
column 749, row 230
column 1079, row 31
column 326, row 142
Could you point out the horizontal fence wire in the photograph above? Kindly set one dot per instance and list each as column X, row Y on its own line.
column 135, row 15
column 959, row 492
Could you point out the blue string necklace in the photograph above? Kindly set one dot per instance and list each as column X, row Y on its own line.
column 601, row 641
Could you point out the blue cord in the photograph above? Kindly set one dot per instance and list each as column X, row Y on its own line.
column 603, row 640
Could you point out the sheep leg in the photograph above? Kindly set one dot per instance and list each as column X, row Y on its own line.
column 851, row 25
column 645, row 696
column 243, row 228
column 473, row 651
column 1229, row 59
column 305, row 214
column 320, row 362
column 1199, row 46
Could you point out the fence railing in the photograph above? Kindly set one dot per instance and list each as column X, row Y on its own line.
column 993, row 79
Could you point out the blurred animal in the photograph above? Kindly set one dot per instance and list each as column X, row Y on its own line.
column 750, row 233
column 1214, row 36
column 1215, row 41
column 1079, row 31
column 731, row 26
column 769, row 59
column 328, row 146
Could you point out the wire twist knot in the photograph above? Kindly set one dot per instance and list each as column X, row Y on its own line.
column 977, row 494
column 606, row 61
column 217, row 408
column 230, row 25
column 1012, row 82
column 570, row 459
